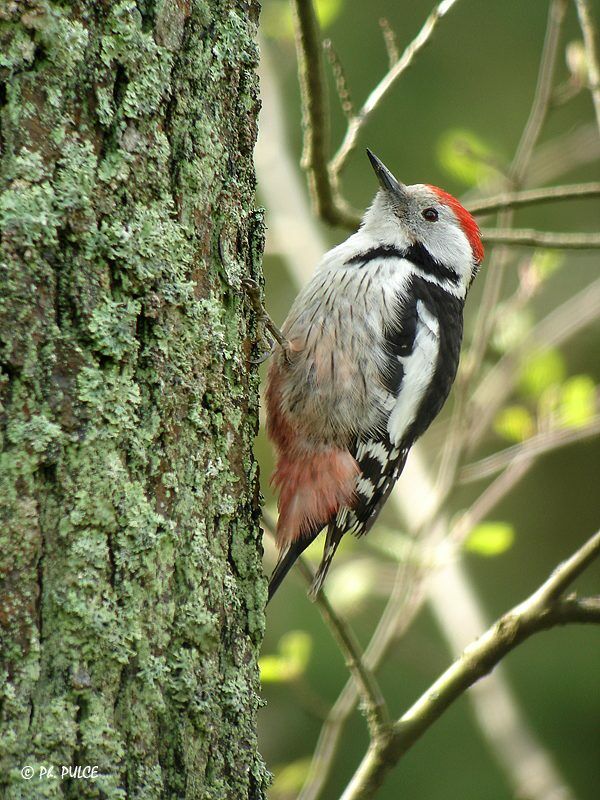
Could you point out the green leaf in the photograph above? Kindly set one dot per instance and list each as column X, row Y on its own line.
column 351, row 583
column 546, row 262
column 578, row 401
column 542, row 371
column 327, row 11
column 289, row 779
column 511, row 327
column 290, row 662
column 490, row 538
column 274, row 669
column 277, row 20
column 296, row 646
column 465, row 156
column 514, row 423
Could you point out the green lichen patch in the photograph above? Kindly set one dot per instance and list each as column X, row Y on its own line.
column 132, row 604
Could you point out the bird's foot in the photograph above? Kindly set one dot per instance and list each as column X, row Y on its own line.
column 252, row 293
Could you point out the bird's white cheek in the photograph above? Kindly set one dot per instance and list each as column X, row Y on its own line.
column 449, row 245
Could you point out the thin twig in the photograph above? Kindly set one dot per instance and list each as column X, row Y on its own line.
column 529, row 238
column 389, row 39
column 562, row 154
column 589, row 32
column 400, row 611
column 543, row 610
column 376, row 96
column 559, row 326
column 535, row 446
column 490, row 498
column 543, row 93
column 375, row 707
column 564, row 575
column 534, row 197
column 339, row 77
column 495, row 271
column 315, row 118
column 520, row 163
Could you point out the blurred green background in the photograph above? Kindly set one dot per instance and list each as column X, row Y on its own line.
column 478, row 75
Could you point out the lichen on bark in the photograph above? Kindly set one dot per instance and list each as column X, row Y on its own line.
column 131, row 600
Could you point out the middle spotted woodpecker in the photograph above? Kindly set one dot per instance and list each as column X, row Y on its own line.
column 373, row 343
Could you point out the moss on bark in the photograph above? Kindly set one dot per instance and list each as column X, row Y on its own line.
column 131, row 606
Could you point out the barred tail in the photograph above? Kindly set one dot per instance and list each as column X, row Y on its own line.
column 334, row 537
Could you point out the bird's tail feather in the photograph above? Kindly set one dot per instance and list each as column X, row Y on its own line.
column 334, row 537
column 287, row 559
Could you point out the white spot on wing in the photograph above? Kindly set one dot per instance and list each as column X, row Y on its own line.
column 375, row 449
column 365, row 487
column 419, row 368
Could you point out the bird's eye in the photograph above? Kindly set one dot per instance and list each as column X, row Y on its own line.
column 430, row 214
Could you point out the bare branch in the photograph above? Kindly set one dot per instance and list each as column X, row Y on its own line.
column 490, row 498
column 389, row 38
column 519, row 166
column 541, row 611
column 534, row 197
column 323, row 177
column 591, row 51
column 406, row 59
column 495, row 272
column 339, row 76
column 315, row 117
column 543, row 92
column 530, row 238
column 375, row 707
column 559, row 326
column 563, row 576
column 401, row 609
column 545, row 442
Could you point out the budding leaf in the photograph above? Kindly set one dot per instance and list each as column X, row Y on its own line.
column 277, row 20
column 512, row 327
column 490, row 538
column 291, row 660
column 514, row 423
column 290, row 778
column 546, row 262
column 465, row 156
column 578, row 401
column 542, row 371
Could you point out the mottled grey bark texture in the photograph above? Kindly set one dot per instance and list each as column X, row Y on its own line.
column 131, row 606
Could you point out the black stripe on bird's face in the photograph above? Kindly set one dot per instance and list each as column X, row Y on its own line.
column 416, row 253
column 381, row 252
column 420, row 256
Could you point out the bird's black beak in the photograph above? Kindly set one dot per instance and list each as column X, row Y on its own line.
column 384, row 176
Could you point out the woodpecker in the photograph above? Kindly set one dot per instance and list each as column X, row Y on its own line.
column 370, row 351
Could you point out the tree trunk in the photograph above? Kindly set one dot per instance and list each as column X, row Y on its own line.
column 131, row 607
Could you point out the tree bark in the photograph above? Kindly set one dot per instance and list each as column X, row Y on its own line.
column 131, row 607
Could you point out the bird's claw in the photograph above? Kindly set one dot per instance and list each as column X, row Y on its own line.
column 252, row 292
